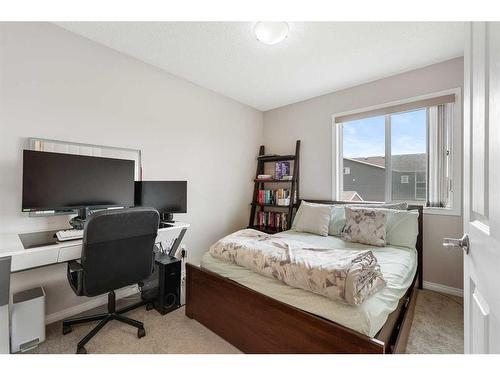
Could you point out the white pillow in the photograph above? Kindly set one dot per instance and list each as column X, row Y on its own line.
column 298, row 214
column 313, row 218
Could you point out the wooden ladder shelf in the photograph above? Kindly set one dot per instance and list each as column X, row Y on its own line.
column 260, row 184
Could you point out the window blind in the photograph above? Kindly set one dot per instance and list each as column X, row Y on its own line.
column 445, row 99
column 439, row 140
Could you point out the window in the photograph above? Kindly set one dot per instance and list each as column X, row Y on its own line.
column 364, row 154
column 398, row 153
column 409, row 155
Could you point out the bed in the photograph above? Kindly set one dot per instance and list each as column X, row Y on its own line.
column 258, row 314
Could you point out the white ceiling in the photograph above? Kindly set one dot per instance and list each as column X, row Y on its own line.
column 316, row 58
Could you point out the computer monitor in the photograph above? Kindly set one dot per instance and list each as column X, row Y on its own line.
column 54, row 181
column 168, row 197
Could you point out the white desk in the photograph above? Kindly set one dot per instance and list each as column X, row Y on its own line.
column 24, row 259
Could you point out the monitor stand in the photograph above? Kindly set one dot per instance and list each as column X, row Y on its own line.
column 164, row 224
column 167, row 217
column 78, row 222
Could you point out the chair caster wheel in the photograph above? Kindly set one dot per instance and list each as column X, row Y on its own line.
column 141, row 332
column 150, row 306
column 67, row 329
column 81, row 350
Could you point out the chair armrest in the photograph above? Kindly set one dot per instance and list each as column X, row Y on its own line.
column 74, row 274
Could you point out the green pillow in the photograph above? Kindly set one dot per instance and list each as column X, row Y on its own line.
column 337, row 223
column 401, row 227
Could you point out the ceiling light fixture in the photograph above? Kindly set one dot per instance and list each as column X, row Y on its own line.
column 271, row 32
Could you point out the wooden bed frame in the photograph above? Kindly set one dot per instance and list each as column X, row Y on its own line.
column 256, row 323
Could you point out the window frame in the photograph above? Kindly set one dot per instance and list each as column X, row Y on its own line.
column 456, row 168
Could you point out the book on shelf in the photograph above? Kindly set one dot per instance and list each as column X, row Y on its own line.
column 268, row 177
column 264, row 177
column 282, row 169
column 273, row 220
column 279, row 197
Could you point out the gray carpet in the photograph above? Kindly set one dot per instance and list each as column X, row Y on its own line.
column 437, row 328
column 438, row 324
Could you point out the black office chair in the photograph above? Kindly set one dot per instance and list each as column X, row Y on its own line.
column 117, row 251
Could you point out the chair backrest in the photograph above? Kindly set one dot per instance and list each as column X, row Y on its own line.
column 118, row 249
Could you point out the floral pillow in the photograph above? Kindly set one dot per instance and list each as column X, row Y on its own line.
column 365, row 226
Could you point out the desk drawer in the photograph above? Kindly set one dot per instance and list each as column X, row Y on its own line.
column 67, row 253
column 32, row 259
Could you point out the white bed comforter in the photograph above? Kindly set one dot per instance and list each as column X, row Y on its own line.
column 345, row 275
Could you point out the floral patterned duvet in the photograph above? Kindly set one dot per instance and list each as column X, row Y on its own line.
column 345, row 275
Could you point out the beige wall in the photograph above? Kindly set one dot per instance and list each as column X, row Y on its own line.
column 57, row 85
column 311, row 121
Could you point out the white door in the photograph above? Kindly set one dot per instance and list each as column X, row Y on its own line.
column 482, row 188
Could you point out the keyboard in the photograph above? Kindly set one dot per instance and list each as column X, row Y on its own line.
column 69, row 234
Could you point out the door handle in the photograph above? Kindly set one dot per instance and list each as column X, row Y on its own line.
column 463, row 243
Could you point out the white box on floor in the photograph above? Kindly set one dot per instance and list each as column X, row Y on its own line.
column 27, row 320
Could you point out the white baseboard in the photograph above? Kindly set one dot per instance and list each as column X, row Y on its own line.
column 96, row 302
column 443, row 289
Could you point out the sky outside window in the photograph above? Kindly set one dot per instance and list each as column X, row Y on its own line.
column 366, row 137
column 408, row 132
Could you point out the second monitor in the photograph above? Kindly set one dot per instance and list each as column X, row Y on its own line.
column 168, row 197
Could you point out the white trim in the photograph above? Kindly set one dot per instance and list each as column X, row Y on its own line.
column 442, row 211
column 467, row 192
column 443, row 289
column 337, row 163
column 93, row 303
column 456, row 210
column 388, row 159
